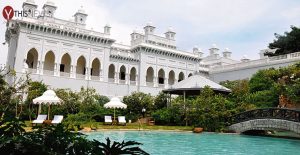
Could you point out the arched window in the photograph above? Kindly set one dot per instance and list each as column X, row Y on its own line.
column 171, row 80
column 122, row 74
column 180, row 77
column 161, row 76
column 65, row 64
column 111, row 71
column 81, row 63
column 49, row 63
column 32, row 58
column 95, row 70
column 133, row 74
column 150, row 75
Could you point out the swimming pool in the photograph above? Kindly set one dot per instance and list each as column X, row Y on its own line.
column 183, row 143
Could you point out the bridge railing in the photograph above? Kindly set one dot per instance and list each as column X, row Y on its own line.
column 266, row 113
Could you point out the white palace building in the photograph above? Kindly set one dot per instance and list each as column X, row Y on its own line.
column 64, row 54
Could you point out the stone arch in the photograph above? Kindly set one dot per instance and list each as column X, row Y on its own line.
column 49, row 61
column 32, row 58
column 190, row 75
column 161, row 76
column 96, row 65
column 122, row 74
column 180, row 76
column 65, row 64
column 111, row 71
column 150, row 75
column 133, row 74
column 171, row 80
column 80, row 65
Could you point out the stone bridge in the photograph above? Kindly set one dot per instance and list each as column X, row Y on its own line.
column 266, row 119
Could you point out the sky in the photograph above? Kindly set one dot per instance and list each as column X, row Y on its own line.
column 243, row 26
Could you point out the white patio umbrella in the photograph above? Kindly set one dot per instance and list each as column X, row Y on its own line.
column 115, row 103
column 49, row 97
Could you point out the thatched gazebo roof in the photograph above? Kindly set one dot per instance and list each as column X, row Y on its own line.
column 193, row 85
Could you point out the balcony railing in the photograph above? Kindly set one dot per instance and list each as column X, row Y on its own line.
column 161, row 85
column 112, row 80
column 31, row 70
column 95, row 78
column 48, row 72
column 64, row 74
column 150, row 84
column 80, row 76
column 263, row 61
column 122, row 81
column 132, row 82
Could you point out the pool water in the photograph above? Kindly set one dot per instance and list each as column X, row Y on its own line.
column 182, row 143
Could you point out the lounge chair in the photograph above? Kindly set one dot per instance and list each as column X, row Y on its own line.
column 40, row 119
column 57, row 119
column 121, row 120
column 107, row 120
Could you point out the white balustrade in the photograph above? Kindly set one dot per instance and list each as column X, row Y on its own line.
column 150, row 84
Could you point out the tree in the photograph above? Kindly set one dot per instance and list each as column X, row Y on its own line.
column 10, row 93
column 136, row 102
column 210, row 110
column 35, row 89
column 287, row 43
column 160, row 101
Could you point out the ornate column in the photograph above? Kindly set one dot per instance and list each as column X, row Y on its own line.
column 116, row 77
column 24, row 69
column 127, row 78
column 72, row 71
column 58, row 69
column 87, row 73
column 100, row 75
column 166, row 83
column 42, row 67
column 136, row 80
column 38, row 67
column 155, row 82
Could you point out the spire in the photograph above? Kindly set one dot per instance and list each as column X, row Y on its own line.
column 80, row 16
column 214, row 50
column 227, row 53
column 170, row 34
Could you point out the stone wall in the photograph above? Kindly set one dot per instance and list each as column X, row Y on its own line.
column 266, row 124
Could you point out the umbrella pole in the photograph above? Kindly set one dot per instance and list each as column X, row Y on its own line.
column 185, row 108
column 114, row 114
column 48, row 111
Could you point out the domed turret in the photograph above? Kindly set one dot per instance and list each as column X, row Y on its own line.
column 29, row 7
column 149, row 28
column 49, row 9
column 170, row 34
column 245, row 58
column 80, row 16
column 107, row 29
column 49, row 2
column 214, row 50
column 226, row 53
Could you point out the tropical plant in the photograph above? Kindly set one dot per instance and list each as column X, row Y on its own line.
column 287, row 43
column 57, row 140
column 117, row 148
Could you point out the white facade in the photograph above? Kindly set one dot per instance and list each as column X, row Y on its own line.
column 63, row 54
column 246, row 68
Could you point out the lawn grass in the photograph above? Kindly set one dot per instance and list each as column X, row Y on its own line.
column 128, row 126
